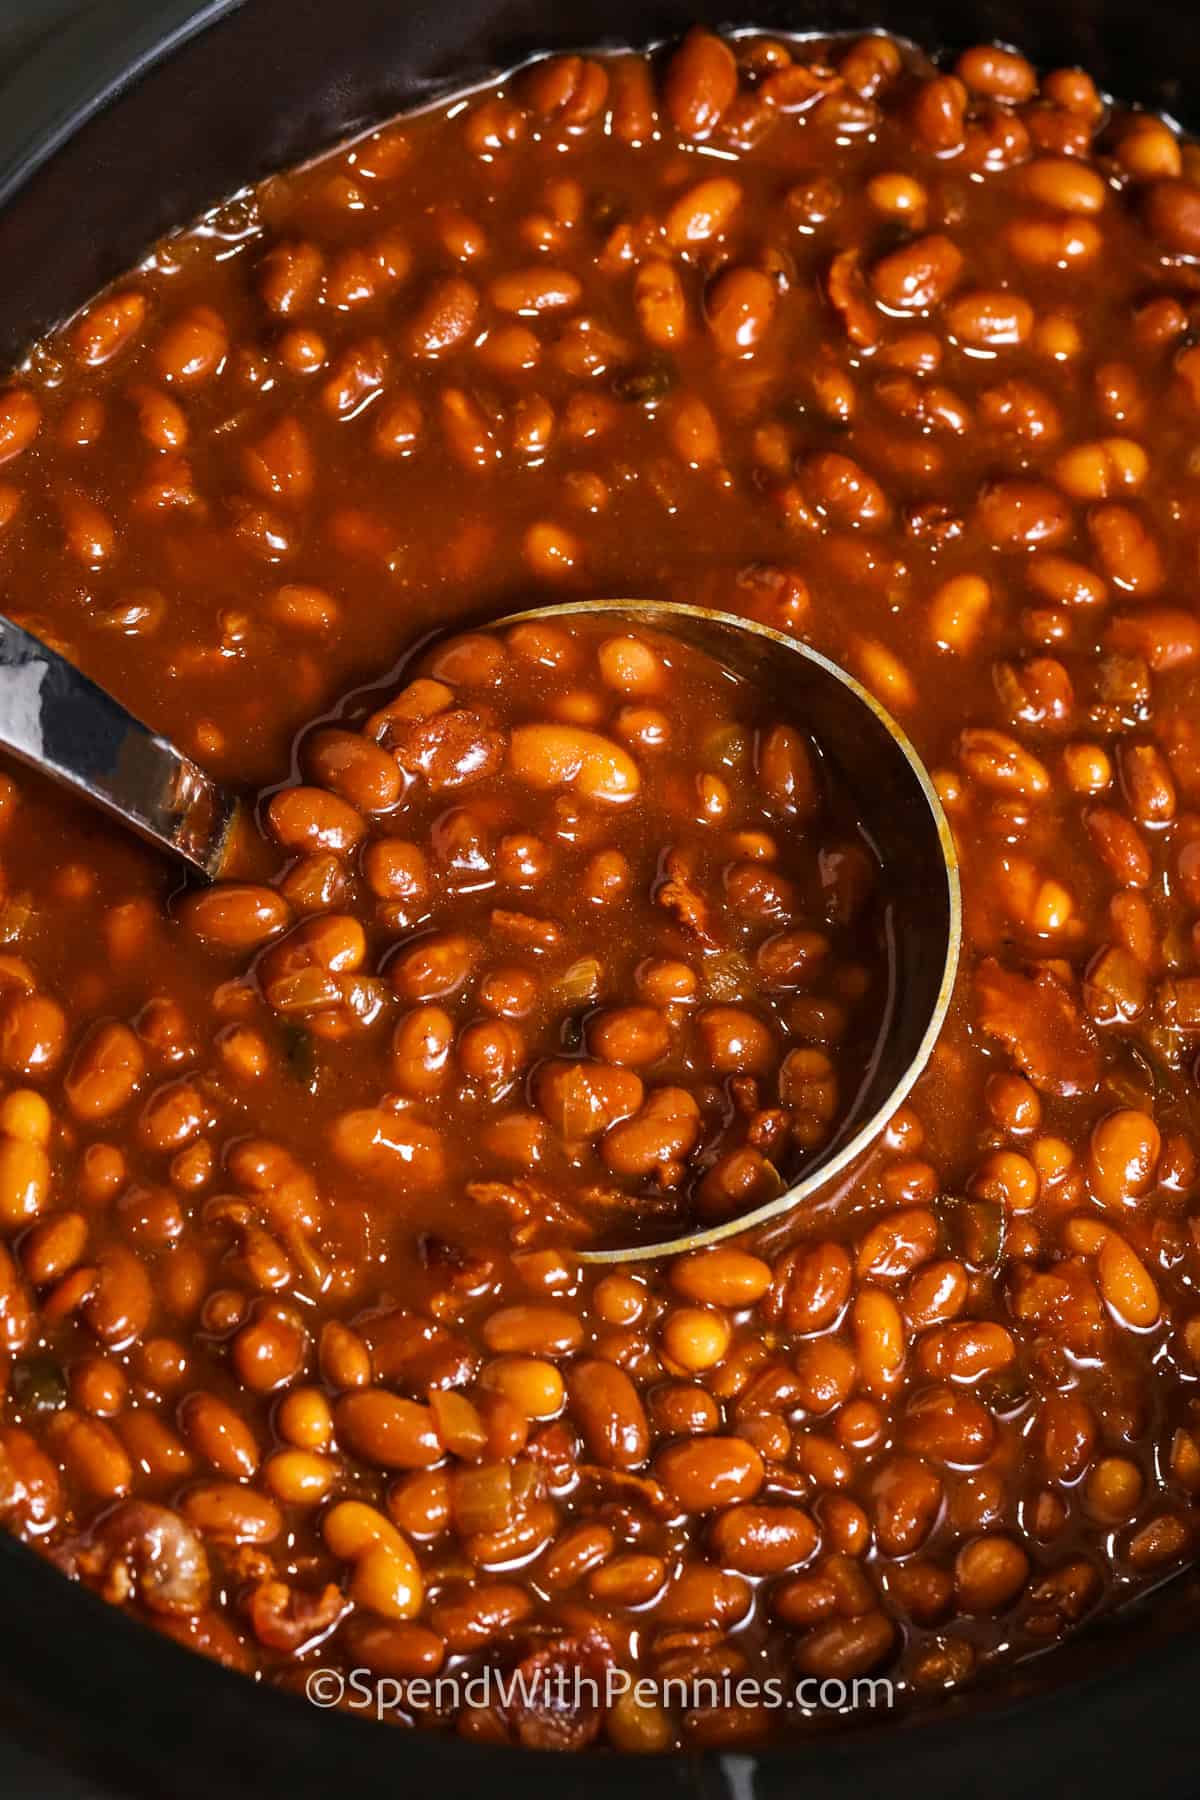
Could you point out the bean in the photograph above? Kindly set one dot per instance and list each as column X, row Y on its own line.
column 1122, row 1153
column 235, row 916
column 1126, row 1284
column 358, row 771
column 706, row 1473
column 989, row 1573
column 388, row 1430
column 610, row 1414
column 582, row 1099
column 1171, row 210
column 570, row 89
column 563, row 756
column 878, row 1341
column 763, row 1540
column 1064, row 184
column 661, row 304
column 721, row 1277
column 530, row 292
column 33, row 1030
column 1129, row 555
column 998, row 762
column 739, row 307
column 434, row 967
column 92, row 1455
column 378, row 1143
column 229, row 1514
column 221, row 1435
column 701, row 1598
column 920, row 276
column 469, row 1621
column 897, row 1245
column 631, row 1036
column 939, row 111
column 997, row 74
column 695, row 1338
column 847, row 1646
column 1022, row 515
column 990, row 320
column 811, row 1287
column 193, row 347
column 532, row 1331
column 104, row 1072
column 702, row 212
column 445, row 318
column 700, row 84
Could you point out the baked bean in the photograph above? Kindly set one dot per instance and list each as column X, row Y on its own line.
column 762, row 1540
column 938, row 114
column 421, row 1047
column 20, row 420
column 1128, row 553
column 735, row 1042
column 444, row 319
column 701, row 1598
column 997, row 74
column 988, row 320
column 702, row 212
column 220, row 1435
column 358, row 771
column 632, row 1036
column 387, row 1430
column 105, row 1072
column 610, row 1414
column 193, row 348
column 1122, row 1154
column 700, row 84
column 237, row 917
column 739, row 307
column 1172, row 212
column 989, row 1573
column 582, row 1099
column 847, row 1646
column 1064, row 184
column 878, row 1341
column 721, row 1277
column 706, row 1473
column 920, row 276
column 560, row 756
column 33, row 1031
column 661, row 304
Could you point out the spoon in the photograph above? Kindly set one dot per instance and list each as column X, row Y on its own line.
column 56, row 720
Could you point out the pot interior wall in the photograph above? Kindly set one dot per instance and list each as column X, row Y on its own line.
column 272, row 81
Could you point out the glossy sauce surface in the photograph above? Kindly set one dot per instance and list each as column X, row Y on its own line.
column 896, row 359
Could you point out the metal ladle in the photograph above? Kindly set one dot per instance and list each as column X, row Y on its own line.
column 53, row 718
column 57, row 721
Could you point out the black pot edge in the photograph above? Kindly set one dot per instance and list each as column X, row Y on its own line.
column 85, row 67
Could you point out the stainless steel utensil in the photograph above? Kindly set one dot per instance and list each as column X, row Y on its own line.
column 56, row 720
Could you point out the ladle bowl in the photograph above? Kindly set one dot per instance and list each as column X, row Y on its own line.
column 871, row 757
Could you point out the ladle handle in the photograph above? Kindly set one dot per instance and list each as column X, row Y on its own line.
column 56, row 720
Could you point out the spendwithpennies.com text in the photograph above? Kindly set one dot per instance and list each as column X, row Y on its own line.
column 565, row 1690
